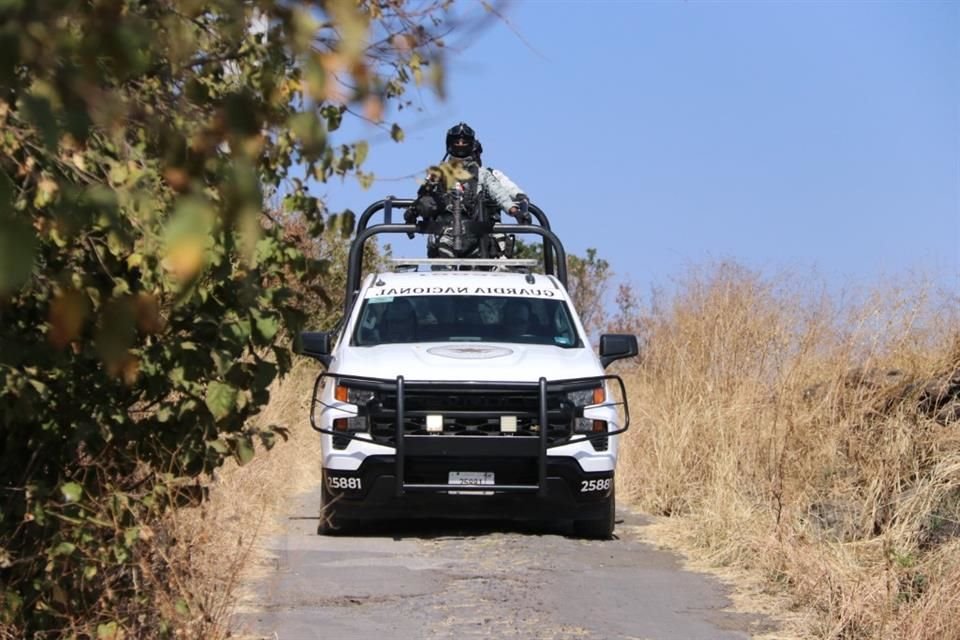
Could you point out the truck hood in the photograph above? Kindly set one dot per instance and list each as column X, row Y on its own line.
column 479, row 361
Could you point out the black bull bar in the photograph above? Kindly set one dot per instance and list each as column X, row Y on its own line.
column 472, row 446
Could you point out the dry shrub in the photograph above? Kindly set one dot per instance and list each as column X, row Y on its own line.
column 212, row 550
column 209, row 550
column 322, row 301
column 815, row 445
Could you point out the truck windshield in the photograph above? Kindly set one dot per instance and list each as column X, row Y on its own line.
column 440, row 318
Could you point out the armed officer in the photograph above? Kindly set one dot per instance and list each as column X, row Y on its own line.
column 482, row 196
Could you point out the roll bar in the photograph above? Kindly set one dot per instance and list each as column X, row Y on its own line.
column 364, row 233
column 387, row 205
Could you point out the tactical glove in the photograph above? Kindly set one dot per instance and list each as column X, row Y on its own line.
column 410, row 217
column 426, row 206
column 522, row 215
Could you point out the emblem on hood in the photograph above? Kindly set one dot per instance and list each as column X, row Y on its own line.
column 470, row 352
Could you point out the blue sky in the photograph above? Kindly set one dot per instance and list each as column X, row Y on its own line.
column 811, row 137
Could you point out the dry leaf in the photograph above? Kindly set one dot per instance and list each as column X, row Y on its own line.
column 68, row 311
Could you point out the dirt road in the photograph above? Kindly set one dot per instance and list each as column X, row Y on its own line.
column 491, row 580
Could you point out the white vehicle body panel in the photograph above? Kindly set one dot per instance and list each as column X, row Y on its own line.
column 487, row 361
column 476, row 361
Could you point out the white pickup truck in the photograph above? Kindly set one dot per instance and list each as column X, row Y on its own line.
column 466, row 394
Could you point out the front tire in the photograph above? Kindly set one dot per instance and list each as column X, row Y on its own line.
column 599, row 528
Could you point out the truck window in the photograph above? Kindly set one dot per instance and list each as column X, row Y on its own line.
column 440, row 318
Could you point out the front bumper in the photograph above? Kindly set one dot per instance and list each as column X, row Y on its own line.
column 566, row 492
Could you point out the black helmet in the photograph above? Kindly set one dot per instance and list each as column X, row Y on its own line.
column 462, row 141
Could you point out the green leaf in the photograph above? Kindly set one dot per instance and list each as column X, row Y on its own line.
column 18, row 246
column 221, row 399
column 238, row 329
column 361, row 149
column 39, row 112
column 309, row 131
column 71, row 491
column 109, row 631
column 266, row 325
column 222, row 361
column 365, row 179
column 219, row 446
column 119, row 173
column 120, row 553
column 243, row 450
column 315, row 77
column 188, row 237
column 347, row 221
column 38, row 386
column 352, row 26
column 64, row 549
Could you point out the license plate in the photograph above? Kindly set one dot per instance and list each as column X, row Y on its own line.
column 473, row 478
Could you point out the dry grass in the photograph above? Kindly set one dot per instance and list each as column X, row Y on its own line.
column 219, row 543
column 811, row 446
column 777, row 436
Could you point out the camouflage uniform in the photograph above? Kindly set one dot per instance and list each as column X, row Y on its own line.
column 496, row 192
column 483, row 196
column 493, row 212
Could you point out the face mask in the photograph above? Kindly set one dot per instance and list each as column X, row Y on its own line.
column 460, row 150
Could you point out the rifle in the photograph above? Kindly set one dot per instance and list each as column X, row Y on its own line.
column 435, row 200
column 458, row 219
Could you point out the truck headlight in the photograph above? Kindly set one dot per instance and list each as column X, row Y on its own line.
column 359, row 397
column 584, row 398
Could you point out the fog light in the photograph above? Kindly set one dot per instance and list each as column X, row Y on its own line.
column 599, row 426
column 434, row 423
column 340, row 424
column 508, row 424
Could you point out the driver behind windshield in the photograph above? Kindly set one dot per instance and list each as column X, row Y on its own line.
column 517, row 319
column 399, row 322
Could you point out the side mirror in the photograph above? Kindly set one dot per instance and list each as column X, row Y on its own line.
column 616, row 346
column 316, row 344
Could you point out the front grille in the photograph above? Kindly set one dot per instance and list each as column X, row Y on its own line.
column 472, row 412
column 443, row 400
